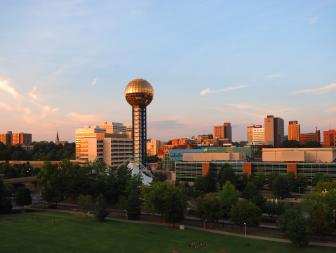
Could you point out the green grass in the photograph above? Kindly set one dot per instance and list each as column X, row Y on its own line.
column 48, row 232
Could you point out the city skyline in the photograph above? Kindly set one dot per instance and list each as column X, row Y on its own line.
column 64, row 65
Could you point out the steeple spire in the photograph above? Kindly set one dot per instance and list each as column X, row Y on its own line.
column 57, row 141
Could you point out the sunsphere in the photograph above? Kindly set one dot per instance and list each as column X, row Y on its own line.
column 139, row 94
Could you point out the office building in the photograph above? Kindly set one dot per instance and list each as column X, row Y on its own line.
column 329, row 138
column 139, row 94
column 310, row 137
column 153, row 147
column 223, row 132
column 11, row 138
column 293, row 131
column 94, row 143
column 255, row 135
column 274, row 131
column 114, row 127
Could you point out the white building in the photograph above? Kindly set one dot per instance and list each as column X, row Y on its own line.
column 95, row 143
column 114, row 127
column 255, row 135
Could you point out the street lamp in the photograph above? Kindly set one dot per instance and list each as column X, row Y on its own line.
column 245, row 228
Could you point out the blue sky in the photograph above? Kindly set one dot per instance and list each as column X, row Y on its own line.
column 64, row 64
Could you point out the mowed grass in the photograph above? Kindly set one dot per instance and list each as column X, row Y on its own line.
column 49, row 232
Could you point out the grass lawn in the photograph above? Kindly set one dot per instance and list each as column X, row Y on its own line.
column 48, row 232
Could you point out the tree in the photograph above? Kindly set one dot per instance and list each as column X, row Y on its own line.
column 86, row 203
column 134, row 199
column 280, row 187
column 159, row 177
column 205, row 184
column 322, row 220
column 100, row 208
column 245, row 211
column 294, row 222
column 5, row 203
column 23, row 197
column 228, row 196
column 319, row 177
column 250, row 191
column 226, row 173
column 175, row 205
column 209, row 208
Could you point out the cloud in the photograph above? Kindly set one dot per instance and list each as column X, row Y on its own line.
column 6, row 107
column 313, row 20
column 83, row 118
column 208, row 91
column 320, row 90
column 168, row 124
column 94, row 82
column 33, row 94
column 274, row 76
column 6, row 87
column 331, row 109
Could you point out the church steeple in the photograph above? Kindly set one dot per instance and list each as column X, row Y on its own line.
column 57, row 140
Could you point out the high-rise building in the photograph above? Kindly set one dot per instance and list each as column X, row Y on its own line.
column 11, row 138
column 329, row 138
column 223, row 131
column 153, row 147
column 139, row 94
column 255, row 135
column 310, row 137
column 114, row 127
column 94, row 143
column 274, row 131
column 293, row 131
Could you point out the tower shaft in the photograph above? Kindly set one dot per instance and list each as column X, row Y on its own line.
column 139, row 119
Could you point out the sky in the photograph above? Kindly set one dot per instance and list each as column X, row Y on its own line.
column 65, row 64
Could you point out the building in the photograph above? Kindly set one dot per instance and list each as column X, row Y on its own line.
column 316, row 155
column 153, row 147
column 94, row 143
column 274, row 131
column 139, row 94
column 255, row 135
column 11, row 138
column 181, row 141
column 310, row 137
column 223, row 132
column 114, row 127
column 294, row 131
column 329, row 138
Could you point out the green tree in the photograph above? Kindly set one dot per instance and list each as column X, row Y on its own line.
column 5, row 203
column 319, row 177
column 159, row 177
column 322, row 220
column 295, row 223
column 100, row 208
column 134, row 198
column 245, row 211
column 175, row 205
column 205, row 184
column 226, row 173
column 228, row 196
column 23, row 197
column 280, row 187
column 86, row 203
column 209, row 208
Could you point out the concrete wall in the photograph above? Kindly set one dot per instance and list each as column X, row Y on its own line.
column 298, row 155
column 208, row 157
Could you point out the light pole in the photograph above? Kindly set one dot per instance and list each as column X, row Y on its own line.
column 245, row 228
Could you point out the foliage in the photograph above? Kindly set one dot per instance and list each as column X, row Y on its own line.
column 319, row 176
column 209, row 208
column 23, row 197
column 159, row 177
column 280, row 187
column 322, row 220
column 273, row 208
column 86, row 203
column 134, row 198
column 294, row 222
column 205, row 184
column 226, row 173
column 5, row 203
column 245, row 211
column 228, row 196
column 17, row 170
column 175, row 206
column 100, row 208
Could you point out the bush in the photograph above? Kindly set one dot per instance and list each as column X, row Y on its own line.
column 86, row 203
column 100, row 208
column 245, row 212
column 23, row 197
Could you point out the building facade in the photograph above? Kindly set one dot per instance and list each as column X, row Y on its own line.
column 255, row 135
column 114, row 127
column 11, row 138
column 95, row 144
column 223, row 132
column 329, row 138
column 310, row 137
column 153, row 147
column 274, row 131
column 294, row 131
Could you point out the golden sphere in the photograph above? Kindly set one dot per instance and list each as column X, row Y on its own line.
column 139, row 92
